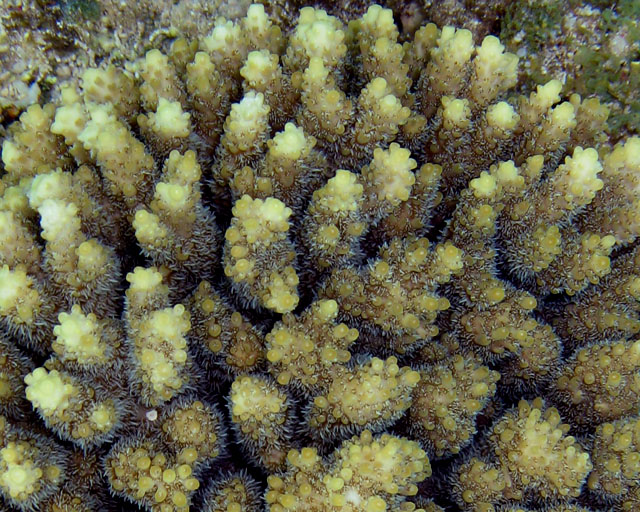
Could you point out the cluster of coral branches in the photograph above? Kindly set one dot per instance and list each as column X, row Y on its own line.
column 338, row 268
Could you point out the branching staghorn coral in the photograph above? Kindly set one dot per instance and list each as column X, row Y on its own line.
column 285, row 267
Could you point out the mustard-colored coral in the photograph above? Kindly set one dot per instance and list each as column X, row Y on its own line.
column 532, row 455
column 146, row 474
column 258, row 255
column 222, row 260
column 616, row 458
column 32, row 466
column 235, row 492
column 446, row 402
column 368, row 474
column 262, row 415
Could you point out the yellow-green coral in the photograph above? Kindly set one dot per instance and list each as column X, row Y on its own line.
column 338, row 227
column 368, row 474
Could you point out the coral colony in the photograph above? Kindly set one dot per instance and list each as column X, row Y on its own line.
column 332, row 269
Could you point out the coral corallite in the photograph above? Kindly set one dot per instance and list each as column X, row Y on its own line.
column 328, row 267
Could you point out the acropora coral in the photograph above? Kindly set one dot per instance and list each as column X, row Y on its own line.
column 331, row 266
column 593, row 46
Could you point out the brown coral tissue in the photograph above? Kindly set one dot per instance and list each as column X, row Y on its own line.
column 327, row 266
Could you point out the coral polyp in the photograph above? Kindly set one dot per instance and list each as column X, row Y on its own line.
column 331, row 266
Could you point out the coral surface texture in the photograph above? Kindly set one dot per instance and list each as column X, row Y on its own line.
column 333, row 265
